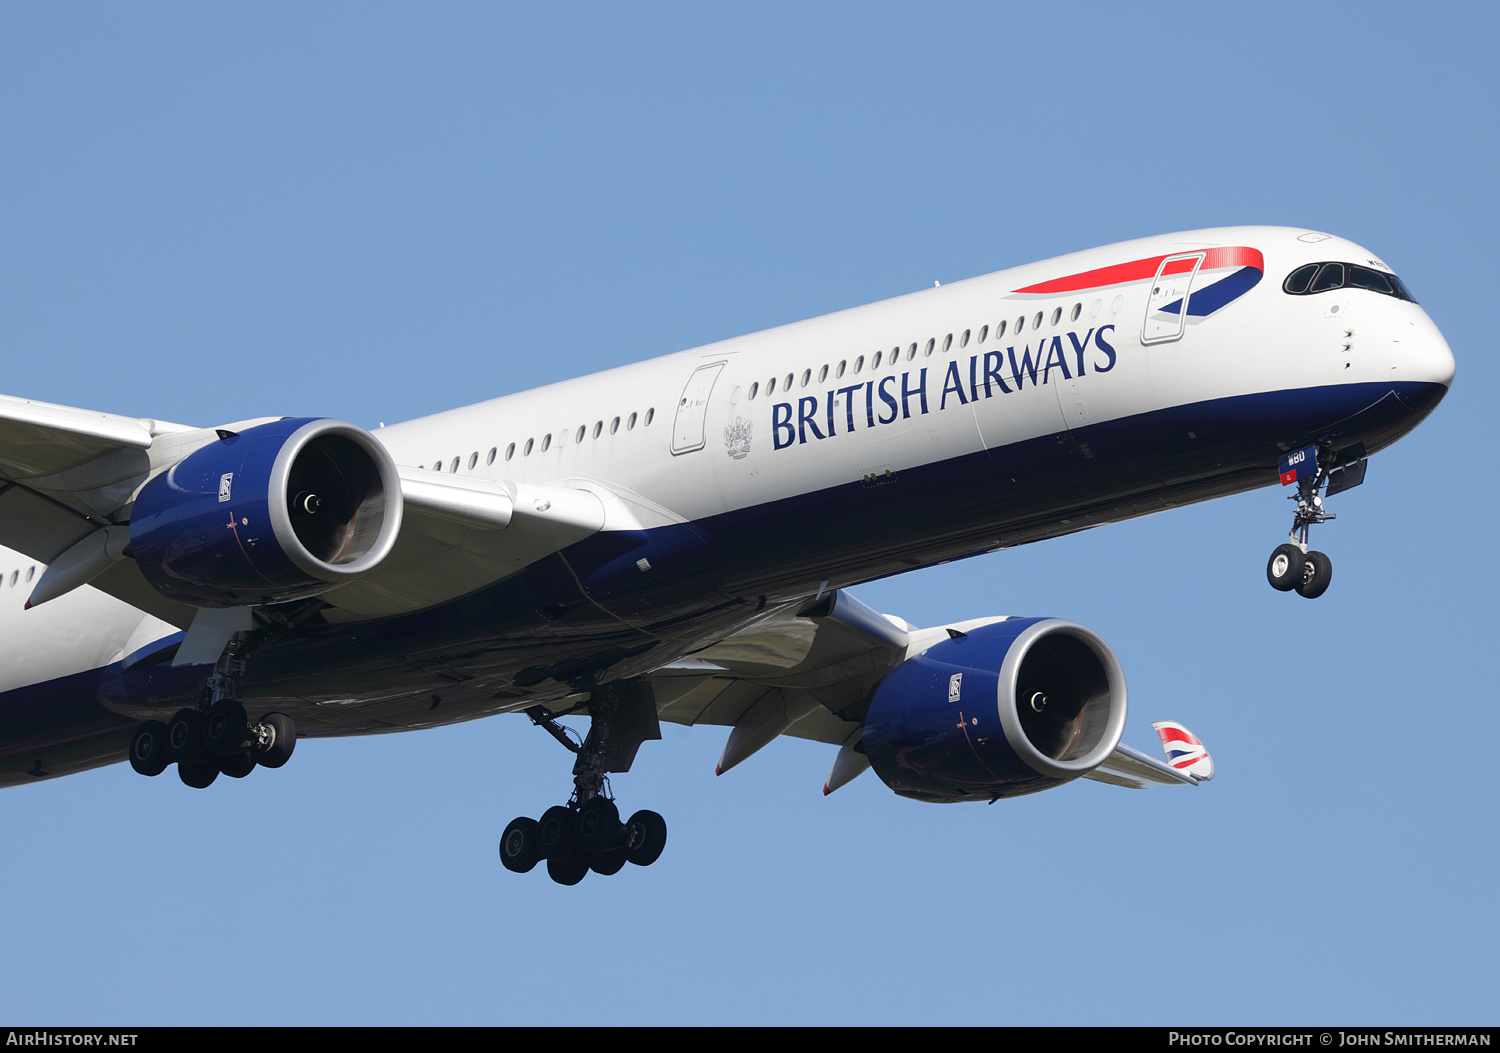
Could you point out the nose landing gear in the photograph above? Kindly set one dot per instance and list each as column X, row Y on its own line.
column 586, row 833
column 1294, row 566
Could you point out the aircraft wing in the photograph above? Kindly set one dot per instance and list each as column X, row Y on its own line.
column 64, row 471
column 68, row 478
column 809, row 671
column 1188, row 762
column 806, row 671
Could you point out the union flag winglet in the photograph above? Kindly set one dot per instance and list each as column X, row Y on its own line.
column 1184, row 752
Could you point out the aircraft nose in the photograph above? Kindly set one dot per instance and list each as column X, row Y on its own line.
column 1421, row 355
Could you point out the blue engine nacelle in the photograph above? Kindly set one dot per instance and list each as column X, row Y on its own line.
column 1008, row 709
column 276, row 512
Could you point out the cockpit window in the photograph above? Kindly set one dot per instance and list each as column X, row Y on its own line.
column 1363, row 278
column 1325, row 277
column 1297, row 282
column 1330, row 277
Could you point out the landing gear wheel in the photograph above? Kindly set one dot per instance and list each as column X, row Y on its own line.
column 185, row 738
column 198, row 774
column 148, row 748
column 237, row 765
column 1317, row 575
column 557, row 836
column 519, row 850
column 610, row 862
column 598, row 825
column 225, row 729
column 645, row 837
column 1284, row 571
column 278, row 750
column 567, row 871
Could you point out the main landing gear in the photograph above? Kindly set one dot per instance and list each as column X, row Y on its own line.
column 1294, row 566
column 217, row 737
column 587, row 833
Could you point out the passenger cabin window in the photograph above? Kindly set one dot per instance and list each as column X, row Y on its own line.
column 1325, row 277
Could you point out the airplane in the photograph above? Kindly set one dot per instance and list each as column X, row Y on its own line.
column 675, row 539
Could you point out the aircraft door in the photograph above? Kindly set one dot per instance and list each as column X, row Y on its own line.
column 1166, row 306
column 692, row 409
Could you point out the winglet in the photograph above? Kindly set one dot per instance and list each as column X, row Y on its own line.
column 1184, row 752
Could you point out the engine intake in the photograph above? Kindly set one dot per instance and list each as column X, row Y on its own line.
column 1008, row 709
column 276, row 512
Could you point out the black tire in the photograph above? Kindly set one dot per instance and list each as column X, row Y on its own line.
column 148, row 748
column 599, row 827
column 519, row 851
column 237, row 765
column 225, row 729
column 609, row 862
column 185, row 738
column 1284, row 570
column 557, row 835
column 283, row 740
column 1317, row 575
column 567, row 871
column 200, row 775
column 645, row 837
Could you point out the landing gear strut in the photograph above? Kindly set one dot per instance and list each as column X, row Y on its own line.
column 1294, row 566
column 216, row 738
column 587, row 833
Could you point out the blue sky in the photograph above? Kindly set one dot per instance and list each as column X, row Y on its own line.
column 376, row 212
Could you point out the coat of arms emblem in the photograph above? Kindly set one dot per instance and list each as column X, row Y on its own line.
column 737, row 438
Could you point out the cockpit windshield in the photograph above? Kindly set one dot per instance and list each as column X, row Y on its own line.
column 1325, row 277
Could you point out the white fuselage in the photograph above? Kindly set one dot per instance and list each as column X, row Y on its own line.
column 868, row 394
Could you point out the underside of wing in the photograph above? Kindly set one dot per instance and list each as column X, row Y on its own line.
column 1188, row 762
column 807, row 671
